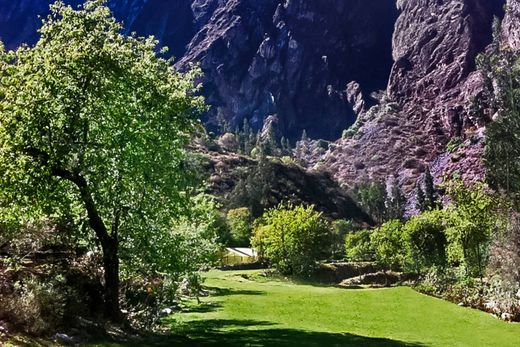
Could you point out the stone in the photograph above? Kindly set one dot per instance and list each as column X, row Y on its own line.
column 165, row 312
column 64, row 338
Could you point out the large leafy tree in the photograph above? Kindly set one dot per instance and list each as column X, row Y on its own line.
column 95, row 122
column 292, row 238
column 473, row 221
column 500, row 68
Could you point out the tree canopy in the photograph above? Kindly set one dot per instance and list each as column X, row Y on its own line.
column 94, row 122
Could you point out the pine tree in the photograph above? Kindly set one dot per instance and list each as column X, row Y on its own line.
column 270, row 143
column 302, row 147
column 430, row 193
column 395, row 202
column 244, row 137
column 421, row 202
column 250, row 143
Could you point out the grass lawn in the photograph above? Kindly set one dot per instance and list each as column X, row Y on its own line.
column 248, row 310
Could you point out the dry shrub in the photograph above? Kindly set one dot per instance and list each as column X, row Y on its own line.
column 33, row 306
column 504, row 271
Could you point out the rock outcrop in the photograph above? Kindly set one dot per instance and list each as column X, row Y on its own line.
column 428, row 101
column 320, row 65
column 292, row 58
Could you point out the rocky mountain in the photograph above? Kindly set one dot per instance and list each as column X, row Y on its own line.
column 426, row 119
column 402, row 70
column 307, row 61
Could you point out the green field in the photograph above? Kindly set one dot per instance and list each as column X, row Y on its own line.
column 248, row 310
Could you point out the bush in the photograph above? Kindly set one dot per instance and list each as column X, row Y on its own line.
column 472, row 223
column 391, row 245
column 34, row 306
column 240, row 224
column 358, row 246
column 292, row 238
column 425, row 233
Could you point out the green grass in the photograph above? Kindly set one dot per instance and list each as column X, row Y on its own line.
column 247, row 310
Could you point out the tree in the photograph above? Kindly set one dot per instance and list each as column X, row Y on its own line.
column 472, row 223
column 390, row 245
column 254, row 190
column 372, row 197
column 302, row 147
column 241, row 226
column 95, row 122
column 395, row 202
column 246, row 138
column 292, row 238
column 285, row 147
column 500, row 68
column 340, row 228
column 270, row 142
column 421, row 205
column 427, row 238
column 427, row 196
column 431, row 197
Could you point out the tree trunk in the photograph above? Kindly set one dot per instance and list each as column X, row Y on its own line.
column 109, row 243
column 111, row 267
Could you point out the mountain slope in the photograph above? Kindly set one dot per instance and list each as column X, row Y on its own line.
column 292, row 58
column 429, row 98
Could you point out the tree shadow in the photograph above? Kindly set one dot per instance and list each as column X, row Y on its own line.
column 234, row 332
column 218, row 291
column 203, row 307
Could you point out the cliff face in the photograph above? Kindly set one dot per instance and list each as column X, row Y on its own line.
column 293, row 58
column 315, row 65
column 428, row 99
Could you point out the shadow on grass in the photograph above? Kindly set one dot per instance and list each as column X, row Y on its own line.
column 257, row 333
column 203, row 307
column 218, row 291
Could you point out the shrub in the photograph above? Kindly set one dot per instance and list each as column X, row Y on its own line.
column 391, row 245
column 425, row 233
column 292, row 238
column 34, row 306
column 358, row 246
column 473, row 221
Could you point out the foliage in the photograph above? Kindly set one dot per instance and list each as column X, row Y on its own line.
column 358, row 246
column 500, row 67
column 425, row 233
column 240, row 224
column 427, row 195
column 190, row 245
column 35, row 306
column 340, row 228
column 292, row 238
column 454, row 144
column 472, row 224
column 371, row 197
column 504, row 268
column 390, row 244
column 395, row 202
column 253, row 190
column 93, row 123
